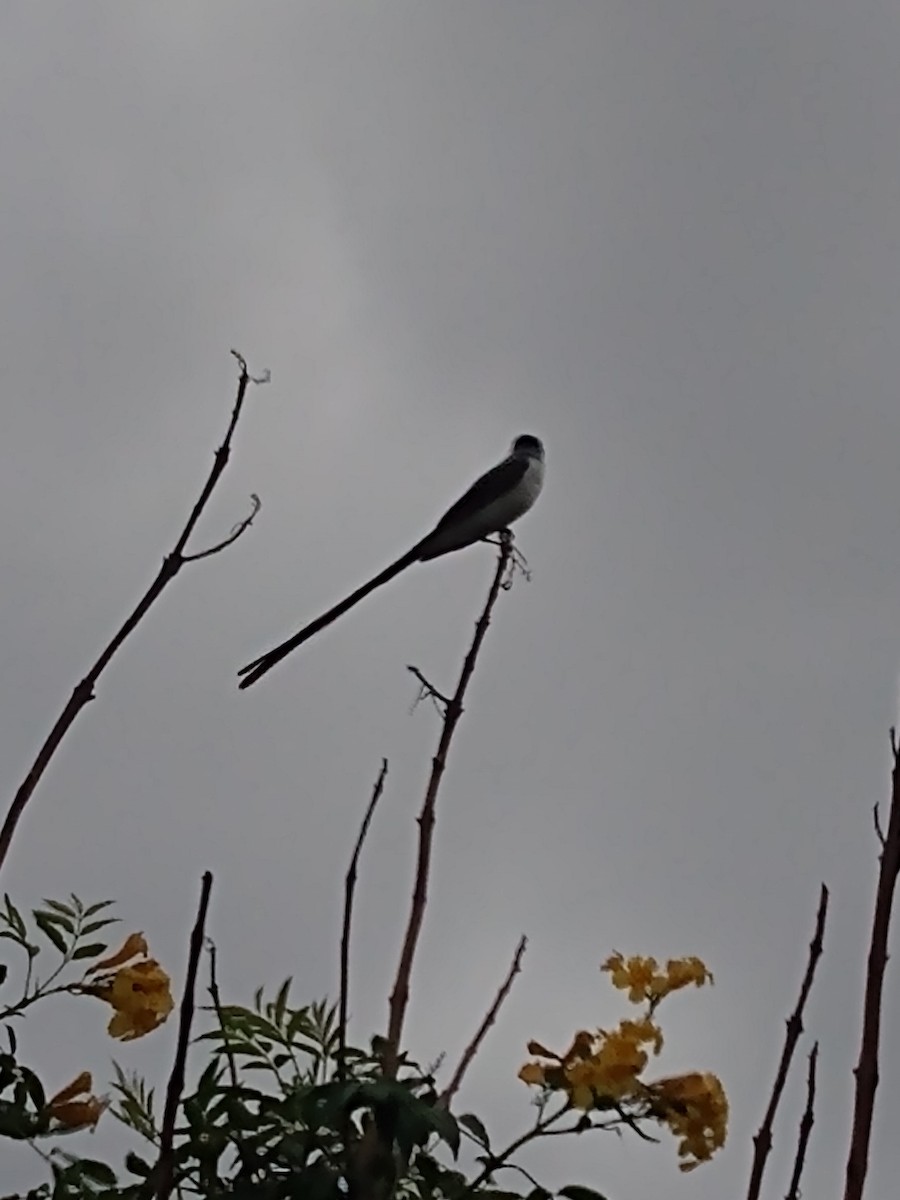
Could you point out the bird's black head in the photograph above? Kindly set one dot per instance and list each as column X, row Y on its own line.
column 528, row 446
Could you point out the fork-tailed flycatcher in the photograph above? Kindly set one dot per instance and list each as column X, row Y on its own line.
column 491, row 504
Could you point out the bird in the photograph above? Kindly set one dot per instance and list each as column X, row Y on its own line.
column 502, row 495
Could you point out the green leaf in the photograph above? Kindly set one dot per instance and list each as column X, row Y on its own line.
column 50, row 931
column 299, row 1023
column 574, row 1191
column 60, row 919
column 95, row 908
column 34, row 1089
column 136, row 1165
column 97, row 1171
column 13, row 916
column 476, row 1128
column 93, row 950
column 206, row 1085
column 444, row 1125
column 93, row 926
column 60, row 908
column 281, row 1003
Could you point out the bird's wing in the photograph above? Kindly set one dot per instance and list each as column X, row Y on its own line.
column 493, row 483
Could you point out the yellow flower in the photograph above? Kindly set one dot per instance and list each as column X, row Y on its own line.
column 597, row 1066
column 133, row 945
column 638, row 976
column 695, row 1108
column 74, row 1107
column 140, row 992
column 532, row 1073
column 643, row 978
column 682, row 971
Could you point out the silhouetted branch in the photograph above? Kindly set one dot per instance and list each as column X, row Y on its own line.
column 762, row 1142
column 349, row 887
column 237, row 530
column 171, row 565
column 428, row 689
column 400, row 991
column 166, row 1162
column 490, row 1017
column 217, row 1008
column 806, row 1124
column 866, row 1071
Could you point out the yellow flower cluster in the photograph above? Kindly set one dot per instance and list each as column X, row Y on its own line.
column 602, row 1069
column 597, row 1067
column 644, row 979
column 135, row 985
column 695, row 1108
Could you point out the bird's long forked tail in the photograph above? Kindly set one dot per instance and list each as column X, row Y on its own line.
column 256, row 669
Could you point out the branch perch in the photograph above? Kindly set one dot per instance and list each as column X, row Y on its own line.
column 400, row 993
column 171, row 565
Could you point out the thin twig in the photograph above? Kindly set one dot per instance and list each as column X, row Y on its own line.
column 237, row 530
column 400, row 992
column 806, row 1124
column 490, row 1017
column 349, row 888
column 866, row 1070
column 762, row 1142
column 84, row 691
column 165, row 1165
column 217, row 1006
column 876, row 817
column 427, row 688
column 494, row 1162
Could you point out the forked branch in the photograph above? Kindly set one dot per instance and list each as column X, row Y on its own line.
column 171, row 565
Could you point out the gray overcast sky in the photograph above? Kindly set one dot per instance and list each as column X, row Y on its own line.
column 662, row 236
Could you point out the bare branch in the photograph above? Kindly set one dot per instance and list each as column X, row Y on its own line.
column 166, row 1162
column 490, row 1017
column 400, row 991
column 217, row 1006
column 84, row 691
column 236, row 531
column 806, row 1124
column 428, row 689
column 762, row 1142
column 349, row 888
column 866, row 1071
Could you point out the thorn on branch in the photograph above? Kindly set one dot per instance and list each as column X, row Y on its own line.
column 236, row 531
column 428, row 690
